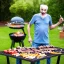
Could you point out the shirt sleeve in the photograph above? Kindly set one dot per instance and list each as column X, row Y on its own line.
column 32, row 21
column 50, row 21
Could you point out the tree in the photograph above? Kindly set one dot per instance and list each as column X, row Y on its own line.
column 56, row 9
column 5, row 4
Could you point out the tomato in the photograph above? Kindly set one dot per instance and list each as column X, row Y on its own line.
column 5, row 51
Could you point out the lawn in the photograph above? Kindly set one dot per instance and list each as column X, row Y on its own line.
column 5, row 43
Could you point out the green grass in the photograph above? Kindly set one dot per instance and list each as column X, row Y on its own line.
column 5, row 43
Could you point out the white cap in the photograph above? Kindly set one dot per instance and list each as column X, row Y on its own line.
column 43, row 6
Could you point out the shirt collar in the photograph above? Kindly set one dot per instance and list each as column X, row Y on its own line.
column 42, row 16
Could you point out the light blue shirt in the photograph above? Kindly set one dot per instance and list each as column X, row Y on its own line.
column 41, row 26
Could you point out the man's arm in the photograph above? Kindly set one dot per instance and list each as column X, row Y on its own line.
column 29, row 36
column 58, row 23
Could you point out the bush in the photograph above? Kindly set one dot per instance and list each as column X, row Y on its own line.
column 23, row 9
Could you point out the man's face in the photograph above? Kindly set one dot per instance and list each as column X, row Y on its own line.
column 43, row 11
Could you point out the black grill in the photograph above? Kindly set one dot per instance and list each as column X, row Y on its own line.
column 17, row 23
column 17, row 38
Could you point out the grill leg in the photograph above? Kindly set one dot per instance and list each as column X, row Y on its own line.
column 19, row 43
column 22, row 43
column 13, row 44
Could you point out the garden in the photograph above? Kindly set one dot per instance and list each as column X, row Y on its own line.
column 26, row 9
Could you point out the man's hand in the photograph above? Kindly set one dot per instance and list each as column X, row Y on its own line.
column 61, row 19
column 58, row 23
column 30, row 40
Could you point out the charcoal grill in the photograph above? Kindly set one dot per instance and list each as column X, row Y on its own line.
column 17, row 23
column 16, row 39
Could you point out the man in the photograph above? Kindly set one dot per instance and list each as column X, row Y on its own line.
column 42, row 21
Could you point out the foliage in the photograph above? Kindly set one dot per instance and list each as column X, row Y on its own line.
column 4, row 14
column 25, row 8
column 22, row 8
column 56, row 9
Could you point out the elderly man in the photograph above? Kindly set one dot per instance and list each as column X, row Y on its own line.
column 42, row 21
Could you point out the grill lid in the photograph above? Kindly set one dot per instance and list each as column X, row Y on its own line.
column 17, row 20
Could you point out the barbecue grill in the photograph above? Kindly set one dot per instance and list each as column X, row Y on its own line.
column 17, row 23
column 17, row 38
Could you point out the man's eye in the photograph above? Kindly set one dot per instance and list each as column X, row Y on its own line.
column 41, row 9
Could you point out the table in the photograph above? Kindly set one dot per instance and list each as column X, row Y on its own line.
column 32, row 61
